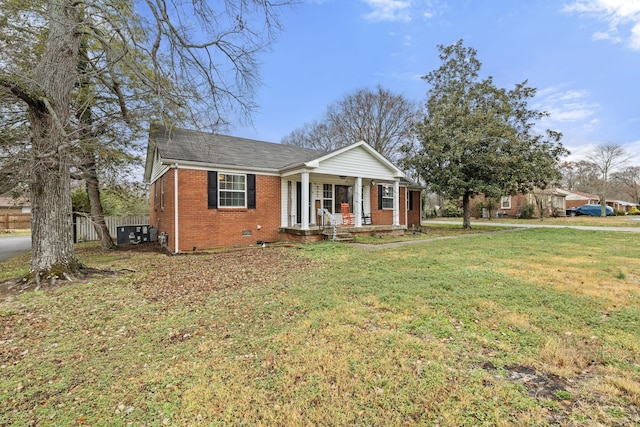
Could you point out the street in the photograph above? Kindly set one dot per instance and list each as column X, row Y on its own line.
column 13, row 246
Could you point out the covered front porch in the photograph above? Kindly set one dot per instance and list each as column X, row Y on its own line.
column 313, row 201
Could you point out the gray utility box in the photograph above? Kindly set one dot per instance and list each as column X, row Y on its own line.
column 133, row 234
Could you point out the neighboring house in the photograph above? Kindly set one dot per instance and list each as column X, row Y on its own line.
column 578, row 198
column 211, row 190
column 11, row 205
column 15, row 212
column 621, row 205
column 552, row 201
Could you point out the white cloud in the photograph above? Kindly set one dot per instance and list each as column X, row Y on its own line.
column 568, row 109
column 599, row 35
column 620, row 14
column 388, row 10
column 402, row 10
column 634, row 40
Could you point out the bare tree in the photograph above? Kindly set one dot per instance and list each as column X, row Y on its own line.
column 606, row 158
column 381, row 118
column 629, row 180
column 317, row 135
column 143, row 61
column 580, row 176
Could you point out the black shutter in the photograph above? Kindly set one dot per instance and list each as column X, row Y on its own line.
column 410, row 193
column 251, row 191
column 212, row 187
column 379, row 197
column 298, row 202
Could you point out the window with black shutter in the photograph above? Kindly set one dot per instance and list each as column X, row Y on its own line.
column 251, row 191
column 212, row 178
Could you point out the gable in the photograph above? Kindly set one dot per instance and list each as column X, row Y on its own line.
column 357, row 161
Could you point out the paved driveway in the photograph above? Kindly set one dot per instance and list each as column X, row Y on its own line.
column 13, row 246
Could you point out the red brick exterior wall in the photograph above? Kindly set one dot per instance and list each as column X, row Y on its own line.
column 162, row 211
column 222, row 227
column 517, row 201
column 413, row 219
column 209, row 228
column 577, row 203
column 385, row 216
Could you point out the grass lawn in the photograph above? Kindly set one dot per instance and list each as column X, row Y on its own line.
column 582, row 220
column 533, row 327
column 10, row 233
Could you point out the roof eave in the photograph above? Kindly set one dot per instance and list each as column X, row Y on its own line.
column 206, row 165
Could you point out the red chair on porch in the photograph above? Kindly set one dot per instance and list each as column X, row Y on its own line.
column 346, row 215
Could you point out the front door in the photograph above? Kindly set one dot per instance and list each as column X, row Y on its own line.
column 343, row 194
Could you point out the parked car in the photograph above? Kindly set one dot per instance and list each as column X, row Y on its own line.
column 593, row 210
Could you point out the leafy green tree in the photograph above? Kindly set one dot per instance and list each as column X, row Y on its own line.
column 476, row 138
column 121, row 200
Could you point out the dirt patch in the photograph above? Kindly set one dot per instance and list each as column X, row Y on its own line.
column 538, row 385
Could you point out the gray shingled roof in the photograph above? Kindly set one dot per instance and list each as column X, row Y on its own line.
column 195, row 146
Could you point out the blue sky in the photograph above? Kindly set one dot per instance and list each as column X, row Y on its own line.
column 583, row 56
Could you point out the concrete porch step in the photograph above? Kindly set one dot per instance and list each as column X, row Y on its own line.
column 341, row 237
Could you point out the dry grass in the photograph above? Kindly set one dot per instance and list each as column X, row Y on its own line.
column 460, row 332
column 19, row 232
column 582, row 220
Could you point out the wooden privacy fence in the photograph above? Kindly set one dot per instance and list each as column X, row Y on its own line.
column 15, row 221
column 85, row 231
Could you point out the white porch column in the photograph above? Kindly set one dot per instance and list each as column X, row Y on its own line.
column 357, row 200
column 305, row 201
column 396, row 202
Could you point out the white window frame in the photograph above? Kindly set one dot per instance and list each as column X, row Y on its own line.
column 327, row 200
column 222, row 177
column 505, row 202
column 387, row 196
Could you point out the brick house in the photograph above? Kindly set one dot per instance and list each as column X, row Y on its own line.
column 209, row 190
column 579, row 198
column 551, row 199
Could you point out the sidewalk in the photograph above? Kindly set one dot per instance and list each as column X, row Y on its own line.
column 512, row 228
column 540, row 224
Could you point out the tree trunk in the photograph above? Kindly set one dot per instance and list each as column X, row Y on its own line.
column 93, row 192
column 603, row 196
column 466, row 210
column 49, row 113
column 87, row 151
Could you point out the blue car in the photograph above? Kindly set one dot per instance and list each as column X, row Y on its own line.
column 593, row 210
